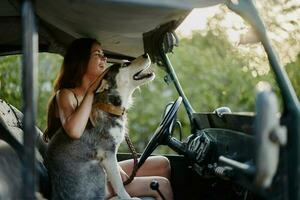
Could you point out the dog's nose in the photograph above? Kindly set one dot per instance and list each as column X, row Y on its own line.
column 145, row 55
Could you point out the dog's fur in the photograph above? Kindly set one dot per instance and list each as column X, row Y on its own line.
column 78, row 168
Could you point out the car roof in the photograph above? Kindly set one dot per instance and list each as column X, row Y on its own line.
column 125, row 28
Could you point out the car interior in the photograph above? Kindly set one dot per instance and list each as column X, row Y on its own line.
column 226, row 156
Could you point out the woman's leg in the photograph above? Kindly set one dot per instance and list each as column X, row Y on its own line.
column 155, row 167
column 140, row 187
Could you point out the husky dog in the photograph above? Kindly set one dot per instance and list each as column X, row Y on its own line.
column 78, row 168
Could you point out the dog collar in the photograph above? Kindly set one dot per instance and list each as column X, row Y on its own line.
column 109, row 108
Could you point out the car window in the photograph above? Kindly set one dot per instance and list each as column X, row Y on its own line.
column 214, row 73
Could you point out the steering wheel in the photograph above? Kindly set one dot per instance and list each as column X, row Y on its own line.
column 161, row 133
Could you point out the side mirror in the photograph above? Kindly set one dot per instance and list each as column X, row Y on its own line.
column 269, row 135
column 222, row 110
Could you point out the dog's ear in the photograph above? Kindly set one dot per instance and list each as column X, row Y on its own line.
column 103, row 86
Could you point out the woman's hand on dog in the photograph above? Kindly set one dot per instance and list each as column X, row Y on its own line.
column 96, row 83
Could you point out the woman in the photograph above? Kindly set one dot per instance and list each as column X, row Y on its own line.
column 71, row 104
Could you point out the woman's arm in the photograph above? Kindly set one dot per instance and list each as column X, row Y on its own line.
column 74, row 119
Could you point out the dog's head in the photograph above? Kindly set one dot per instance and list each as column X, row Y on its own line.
column 135, row 73
column 121, row 80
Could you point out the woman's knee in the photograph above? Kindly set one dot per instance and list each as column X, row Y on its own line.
column 165, row 187
column 163, row 166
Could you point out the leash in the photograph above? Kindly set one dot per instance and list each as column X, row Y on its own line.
column 135, row 159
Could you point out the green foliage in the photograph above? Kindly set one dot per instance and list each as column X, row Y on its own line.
column 10, row 82
column 293, row 71
column 49, row 65
column 214, row 69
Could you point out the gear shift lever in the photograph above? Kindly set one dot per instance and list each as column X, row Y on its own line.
column 154, row 185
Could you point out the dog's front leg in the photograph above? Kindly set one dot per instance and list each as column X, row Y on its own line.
column 110, row 164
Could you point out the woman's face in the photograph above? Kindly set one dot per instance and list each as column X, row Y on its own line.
column 97, row 62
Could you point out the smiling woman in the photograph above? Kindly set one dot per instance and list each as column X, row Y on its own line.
column 74, row 123
column 98, row 62
column 77, row 73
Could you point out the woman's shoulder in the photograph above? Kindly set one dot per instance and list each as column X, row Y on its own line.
column 66, row 96
column 64, row 91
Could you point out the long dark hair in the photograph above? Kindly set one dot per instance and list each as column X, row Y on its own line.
column 73, row 68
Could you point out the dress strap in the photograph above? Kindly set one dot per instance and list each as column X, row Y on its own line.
column 75, row 98
column 77, row 102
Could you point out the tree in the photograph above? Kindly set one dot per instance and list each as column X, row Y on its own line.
column 10, row 82
column 293, row 70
